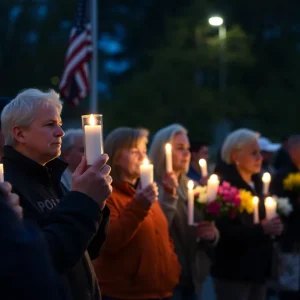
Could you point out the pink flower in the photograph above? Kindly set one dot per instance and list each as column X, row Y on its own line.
column 213, row 208
column 236, row 200
column 226, row 185
column 227, row 197
column 220, row 190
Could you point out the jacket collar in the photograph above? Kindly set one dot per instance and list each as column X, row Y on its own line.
column 52, row 170
column 124, row 187
column 234, row 178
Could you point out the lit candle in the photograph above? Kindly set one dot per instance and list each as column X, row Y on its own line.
column 190, row 202
column 203, row 166
column 266, row 179
column 168, row 151
column 271, row 207
column 146, row 170
column 255, row 202
column 212, row 187
column 1, row 173
column 93, row 137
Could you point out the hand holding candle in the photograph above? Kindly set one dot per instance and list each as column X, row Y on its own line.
column 266, row 179
column 203, row 166
column 212, row 187
column 168, row 152
column 92, row 126
column 190, row 202
column 255, row 202
column 146, row 170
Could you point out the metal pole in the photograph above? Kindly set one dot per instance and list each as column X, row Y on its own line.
column 222, row 71
column 94, row 62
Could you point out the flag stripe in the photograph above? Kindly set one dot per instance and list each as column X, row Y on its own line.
column 74, row 85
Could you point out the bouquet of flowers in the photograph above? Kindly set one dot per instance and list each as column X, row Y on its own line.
column 229, row 201
column 292, row 182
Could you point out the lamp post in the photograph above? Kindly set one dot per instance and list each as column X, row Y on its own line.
column 217, row 21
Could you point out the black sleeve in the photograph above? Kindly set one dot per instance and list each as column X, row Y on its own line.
column 25, row 269
column 71, row 227
column 97, row 242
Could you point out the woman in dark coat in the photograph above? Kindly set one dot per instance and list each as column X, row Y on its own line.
column 242, row 257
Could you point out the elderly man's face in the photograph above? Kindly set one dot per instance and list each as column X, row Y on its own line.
column 41, row 141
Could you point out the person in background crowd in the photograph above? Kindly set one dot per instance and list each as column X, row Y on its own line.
column 267, row 151
column 198, row 150
column 71, row 223
column 290, row 241
column 138, row 260
column 282, row 157
column 72, row 150
column 24, row 256
column 192, row 243
column 242, row 259
column 3, row 102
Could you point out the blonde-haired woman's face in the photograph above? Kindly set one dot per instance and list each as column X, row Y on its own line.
column 130, row 159
column 248, row 158
column 181, row 152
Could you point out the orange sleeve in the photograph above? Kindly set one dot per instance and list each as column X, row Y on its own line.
column 123, row 224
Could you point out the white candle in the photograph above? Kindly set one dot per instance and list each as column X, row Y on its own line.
column 146, row 170
column 190, row 202
column 93, row 141
column 212, row 187
column 271, row 207
column 255, row 202
column 168, row 151
column 266, row 179
column 203, row 166
column 1, row 173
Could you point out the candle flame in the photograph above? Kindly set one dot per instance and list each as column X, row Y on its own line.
column 255, row 200
column 146, row 161
column 92, row 120
column 266, row 177
column 269, row 201
column 168, row 147
column 202, row 162
column 190, row 184
column 214, row 177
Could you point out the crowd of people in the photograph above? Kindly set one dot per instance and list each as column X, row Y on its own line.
column 73, row 231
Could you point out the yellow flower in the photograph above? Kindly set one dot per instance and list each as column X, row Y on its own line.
column 292, row 182
column 246, row 202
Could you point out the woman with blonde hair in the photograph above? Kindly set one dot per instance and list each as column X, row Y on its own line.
column 242, row 257
column 138, row 260
column 173, row 199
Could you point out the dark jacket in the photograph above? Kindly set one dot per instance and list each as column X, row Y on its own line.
column 70, row 223
column 244, row 251
column 23, row 258
column 291, row 237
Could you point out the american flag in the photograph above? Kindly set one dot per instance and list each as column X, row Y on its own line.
column 74, row 84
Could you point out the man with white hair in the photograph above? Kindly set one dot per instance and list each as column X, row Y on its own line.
column 72, row 150
column 71, row 222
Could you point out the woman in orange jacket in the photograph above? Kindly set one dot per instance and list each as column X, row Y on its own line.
column 138, row 260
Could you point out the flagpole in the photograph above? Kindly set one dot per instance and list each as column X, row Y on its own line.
column 94, row 62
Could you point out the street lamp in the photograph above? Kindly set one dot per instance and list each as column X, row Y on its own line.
column 217, row 21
